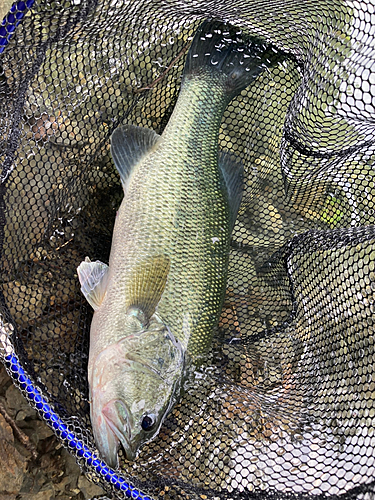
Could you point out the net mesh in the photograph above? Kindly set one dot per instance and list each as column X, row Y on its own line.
column 284, row 405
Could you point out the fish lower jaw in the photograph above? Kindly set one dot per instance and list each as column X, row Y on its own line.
column 130, row 454
column 109, row 445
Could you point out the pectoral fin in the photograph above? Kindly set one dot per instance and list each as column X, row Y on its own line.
column 147, row 285
column 232, row 170
column 93, row 277
column 128, row 146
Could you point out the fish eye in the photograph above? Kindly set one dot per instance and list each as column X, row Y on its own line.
column 148, row 422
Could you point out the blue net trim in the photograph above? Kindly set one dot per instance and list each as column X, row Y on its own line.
column 62, row 430
column 11, row 21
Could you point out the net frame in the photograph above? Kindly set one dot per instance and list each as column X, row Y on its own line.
column 36, row 398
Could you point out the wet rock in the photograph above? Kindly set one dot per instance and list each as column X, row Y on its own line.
column 70, row 467
column 37, row 430
column 13, row 464
column 241, row 271
column 89, row 489
column 16, row 403
column 47, row 494
column 37, row 481
column 4, row 378
column 48, row 474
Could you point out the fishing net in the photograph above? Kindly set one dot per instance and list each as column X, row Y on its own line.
column 284, row 405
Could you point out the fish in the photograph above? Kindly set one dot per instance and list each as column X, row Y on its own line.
column 157, row 303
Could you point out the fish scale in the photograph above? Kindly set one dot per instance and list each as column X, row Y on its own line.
column 159, row 300
column 177, row 209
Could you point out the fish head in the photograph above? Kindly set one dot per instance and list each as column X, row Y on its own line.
column 133, row 385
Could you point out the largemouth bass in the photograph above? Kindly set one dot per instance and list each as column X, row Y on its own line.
column 161, row 296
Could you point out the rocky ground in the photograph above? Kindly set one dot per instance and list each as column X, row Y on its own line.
column 34, row 465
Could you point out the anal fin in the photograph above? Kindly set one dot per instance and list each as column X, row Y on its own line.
column 232, row 170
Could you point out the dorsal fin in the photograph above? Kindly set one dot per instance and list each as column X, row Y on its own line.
column 93, row 277
column 232, row 170
column 129, row 144
column 145, row 288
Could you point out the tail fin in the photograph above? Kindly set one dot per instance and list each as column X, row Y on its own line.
column 223, row 49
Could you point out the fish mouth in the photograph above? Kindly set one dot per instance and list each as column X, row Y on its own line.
column 111, row 426
column 120, row 420
column 122, row 438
